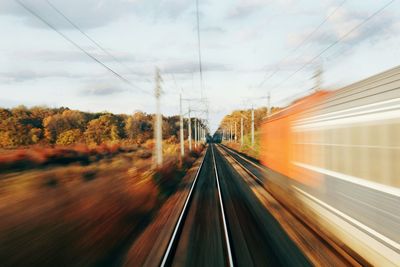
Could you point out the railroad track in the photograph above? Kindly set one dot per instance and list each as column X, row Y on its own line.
column 223, row 223
column 205, row 193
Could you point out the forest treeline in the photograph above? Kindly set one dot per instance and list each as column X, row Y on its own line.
column 235, row 117
column 22, row 126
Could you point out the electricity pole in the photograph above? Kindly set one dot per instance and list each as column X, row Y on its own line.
column 181, row 126
column 269, row 105
column 241, row 131
column 201, row 133
column 190, row 131
column 195, row 132
column 158, row 128
column 318, row 78
column 230, row 133
column 198, row 132
column 235, row 133
column 252, row 126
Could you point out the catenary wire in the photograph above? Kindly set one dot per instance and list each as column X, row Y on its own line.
column 91, row 39
column 335, row 43
column 119, row 76
column 266, row 78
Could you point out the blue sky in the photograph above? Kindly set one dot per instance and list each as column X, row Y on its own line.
column 242, row 42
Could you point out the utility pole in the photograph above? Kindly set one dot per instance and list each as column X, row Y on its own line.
column 235, row 133
column 318, row 78
column 201, row 134
column 241, row 131
column 269, row 105
column 198, row 132
column 230, row 133
column 158, row 128
column 252, row 126
column 181, row 126
column 190, row 131
column 195, row 132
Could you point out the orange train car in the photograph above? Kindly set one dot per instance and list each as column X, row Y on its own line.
column 280, row 144
column 341, row 152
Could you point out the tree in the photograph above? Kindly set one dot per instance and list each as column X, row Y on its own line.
column 39, row 113
column 69, row 137
column 14, row 133
column 103, row 129
column 138, row 127
column 21, row 126
column 171, row 127
column 56, row 124
column 230, row 119
column 4, row 114
column 35, row 135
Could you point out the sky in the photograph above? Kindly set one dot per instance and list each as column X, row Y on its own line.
column 250, row 48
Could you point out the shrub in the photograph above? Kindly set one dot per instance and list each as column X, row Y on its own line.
column 167, row 177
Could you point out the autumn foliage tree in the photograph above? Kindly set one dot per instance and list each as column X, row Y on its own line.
column 21, row 126
column 139, row 127
column 69, row 137
column 235, row 117
column 18, row 127
column 56, row 124
column 103, row 129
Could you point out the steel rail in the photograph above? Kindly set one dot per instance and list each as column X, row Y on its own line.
column 230, row 152
column 179, row 225
column 228, row 246
column 346, row 253
column 240, row 156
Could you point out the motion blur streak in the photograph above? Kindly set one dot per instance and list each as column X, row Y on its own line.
column 340, row 150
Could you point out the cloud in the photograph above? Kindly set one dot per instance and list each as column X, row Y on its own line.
column 288, row 65
column 183, row 67
column 377, row 28
column 245, row 8
column 29, row 75
column 247, row 34
column 127, row 64
column 77, row 56
column 343, row 21
column 174, row 8
column 102, row 90
column 93, row 13
column 213, row 29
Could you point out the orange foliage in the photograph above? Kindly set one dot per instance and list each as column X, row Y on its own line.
column 77, row 215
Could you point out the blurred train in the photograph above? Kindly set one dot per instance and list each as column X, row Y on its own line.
column 340, row 153
column 216, row 138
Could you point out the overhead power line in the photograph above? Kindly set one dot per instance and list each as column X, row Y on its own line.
column 266, row 78
column 199, row 48
column 335, row 43
column 31, row 11
column 91, row 39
